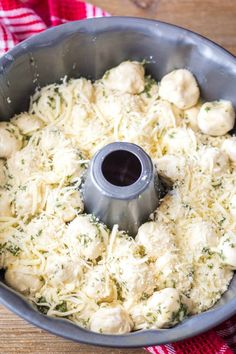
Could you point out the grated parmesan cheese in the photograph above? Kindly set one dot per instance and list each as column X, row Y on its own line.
column 67, row 263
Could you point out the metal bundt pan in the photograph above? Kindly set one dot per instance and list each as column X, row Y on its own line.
column 88, row 48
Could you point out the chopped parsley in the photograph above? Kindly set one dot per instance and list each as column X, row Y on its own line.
column 42, row 308
column 13, row 249
column 62, row 307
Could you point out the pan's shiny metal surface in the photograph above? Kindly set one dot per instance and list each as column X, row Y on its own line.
column 88, row 48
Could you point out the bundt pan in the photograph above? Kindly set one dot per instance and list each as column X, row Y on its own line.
column 88, row 48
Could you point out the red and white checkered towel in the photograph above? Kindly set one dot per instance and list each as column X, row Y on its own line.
column 220, row 340
column 20, row 19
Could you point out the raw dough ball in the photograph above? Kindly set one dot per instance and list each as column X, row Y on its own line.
column 27, row 123
column 64, row 202
column 52, row 138
column 29, row 198
column 10, row 139
column 155, row 238
column 21, row 279
column 163, row 308
column 171, row 272
column 213, row 160
column 89, row 236
column 79, row 119
column 99, row 286
column 112, row 105
column 111, row 320
column 227, row 249
column 200, row 235
column 211, row 280
column 216, row 118
column 180, row 87
column 171, row 167
column 229, row 147
column 191, row 115
column 135, row 279
column 62, row 269
column 164, row 114
column 23, row 164
column 83, row 89
column 179, row 141
column 66, row 162
column 128, row 77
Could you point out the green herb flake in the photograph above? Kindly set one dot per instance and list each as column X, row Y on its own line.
column 62, row 307
column 13, row 249
column 42, row 308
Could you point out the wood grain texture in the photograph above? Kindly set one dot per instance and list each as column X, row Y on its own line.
column 215, row 19
column 17, row 336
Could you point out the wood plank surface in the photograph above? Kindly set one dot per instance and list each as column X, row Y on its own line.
column 215, row 19
column 17, row 336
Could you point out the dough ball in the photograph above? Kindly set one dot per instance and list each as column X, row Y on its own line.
column 227, row 249
column 10, row 139
column 89, row 235
column 22, row 164
column 29, row 198
column 181, row 88
column 64, row 202
column 191, row 115
column 66, row 162
column 99, row 286
column 213, row 160
column 62, row 269
column 134, row 278
column 27, row 123
column 22, row 279
column 111, row 320
column 200, row 235
column 155, row 237
column 164, row 308
column 211, row 280
column 216, row 118
column 165, row 115
column 83, row 89
column 52, row 139
column 128, row 77
column 229, row 147
column 179, row 141
column 171, row 168
column 171, row 272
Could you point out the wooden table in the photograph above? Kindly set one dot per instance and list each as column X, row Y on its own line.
column 215, row 19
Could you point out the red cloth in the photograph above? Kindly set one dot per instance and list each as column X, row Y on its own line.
column 21, row 19
column 220, row 340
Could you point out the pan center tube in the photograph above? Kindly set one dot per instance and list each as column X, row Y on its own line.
column 121, row 186
column 121, row 168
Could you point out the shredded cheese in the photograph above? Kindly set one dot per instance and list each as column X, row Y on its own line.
column 71, row 265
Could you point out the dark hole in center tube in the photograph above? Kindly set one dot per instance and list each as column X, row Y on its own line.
column 121, row 168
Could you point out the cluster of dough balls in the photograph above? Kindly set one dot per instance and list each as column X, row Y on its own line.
column 214, row 118
column 88, row 238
